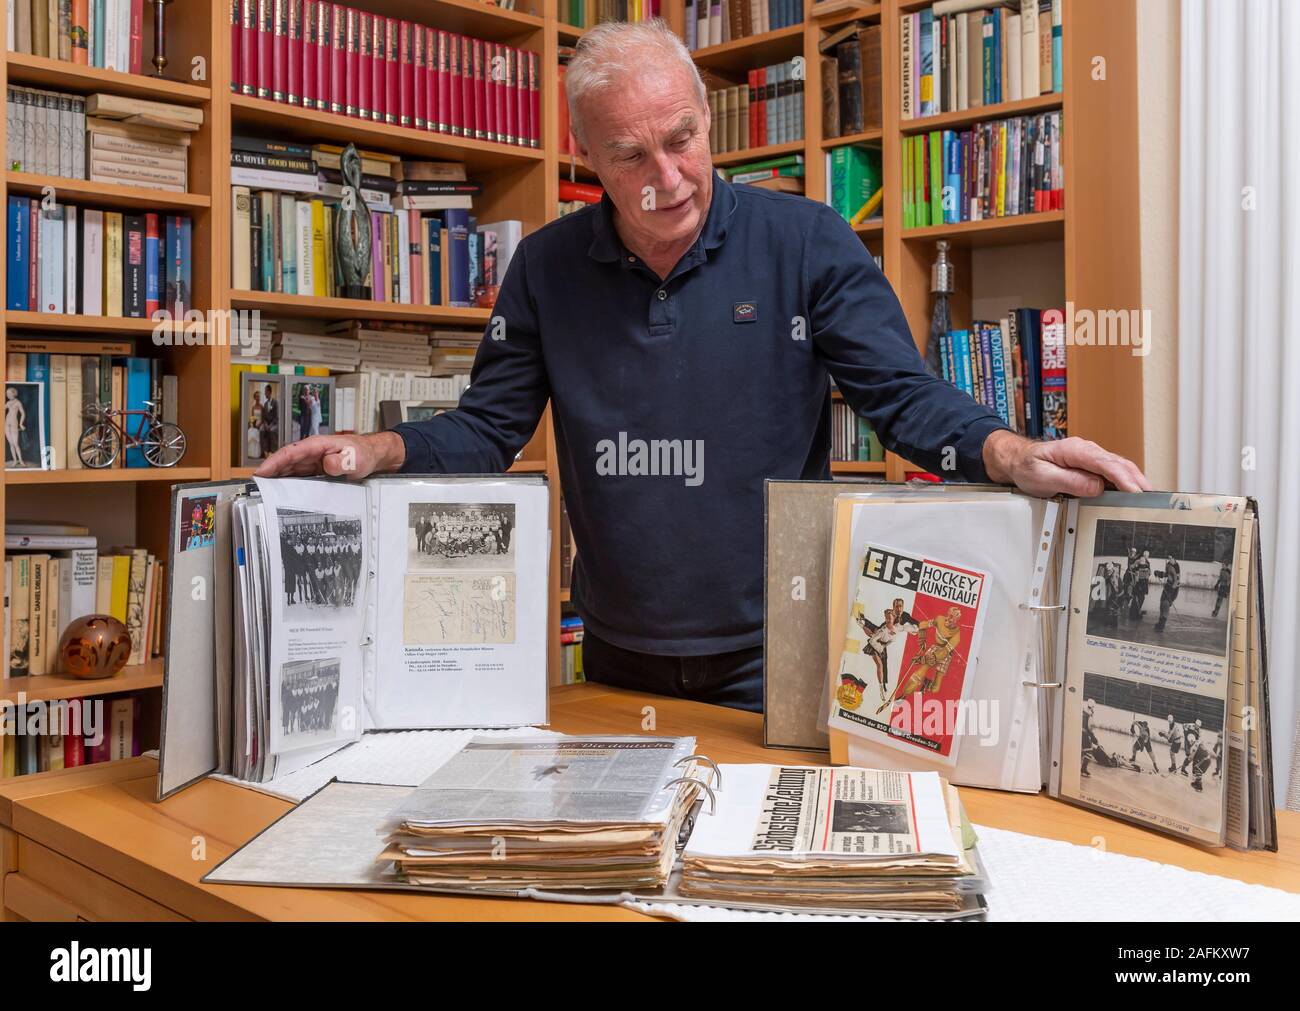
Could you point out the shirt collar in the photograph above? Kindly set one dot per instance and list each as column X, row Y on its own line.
column 607, row 246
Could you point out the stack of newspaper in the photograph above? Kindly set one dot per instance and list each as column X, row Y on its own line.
column 554, row 813
column 834, row 840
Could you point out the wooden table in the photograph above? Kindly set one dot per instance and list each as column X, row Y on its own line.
column 91, row 843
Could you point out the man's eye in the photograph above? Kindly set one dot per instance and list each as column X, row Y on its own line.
column 681, row 142
column 628, row 159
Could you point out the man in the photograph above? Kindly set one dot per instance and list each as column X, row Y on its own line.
column 1174, row 737
column 1141, row 731
column 1222, row 588
column 269, row 424
column 1173, row 576
column 1140, row 585
column 925, row 674
column 688, row 313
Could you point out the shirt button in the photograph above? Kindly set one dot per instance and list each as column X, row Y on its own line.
column 631, row 259
column 662, row 294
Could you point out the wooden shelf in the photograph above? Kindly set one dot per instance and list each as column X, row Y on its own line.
column 45, row 687
column 290, row 122
column 528, row 467
column 858, row 466
column 114, row 195
column 109, row 475
column 741, row 55
column 1003, row 110
column 873, row 136
column 117, row 325
column 43, row 72
column 468, row 17
column 1042, row 227
column 758, row 153
column 871, row 227
column 272, row 303
column 856, row 12
column 569, row 33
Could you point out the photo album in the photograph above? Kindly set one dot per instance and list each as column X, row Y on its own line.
column 1109, row 649
column 315, row 610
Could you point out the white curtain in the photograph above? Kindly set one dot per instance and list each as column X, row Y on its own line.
column 1239, row 301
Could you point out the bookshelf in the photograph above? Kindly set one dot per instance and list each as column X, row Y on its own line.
column 1090, row 250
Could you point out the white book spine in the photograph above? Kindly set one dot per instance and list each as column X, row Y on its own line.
column 79, row 136
column 124, row 41
column 51, row 252
column 93, row 262
column 403, row 260
column 70, row 259
column 1013, row 62
column 1029, row 51
column 111, row 33
column 74, row 426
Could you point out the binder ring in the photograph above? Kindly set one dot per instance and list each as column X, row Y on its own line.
column 1042, row 684
column 1042, row 607
column 713, row 800
column 717, row 773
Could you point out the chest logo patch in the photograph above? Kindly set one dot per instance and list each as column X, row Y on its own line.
column 744, row 312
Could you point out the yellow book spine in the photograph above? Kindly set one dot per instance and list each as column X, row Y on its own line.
column 112, row 263
column 10, row 756
column 319, row 285
column 121, row 582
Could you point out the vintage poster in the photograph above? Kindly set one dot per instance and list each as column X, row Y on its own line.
column 909, row 651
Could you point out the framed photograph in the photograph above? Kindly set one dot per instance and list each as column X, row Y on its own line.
column 394, row 412
column 310, row 408
column 25, row 426
column 261, row 416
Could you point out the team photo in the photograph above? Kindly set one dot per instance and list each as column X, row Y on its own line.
column 460, row 536
column 321, row 557
column 309, row 695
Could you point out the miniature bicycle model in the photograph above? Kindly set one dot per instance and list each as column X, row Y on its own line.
column 109, row 435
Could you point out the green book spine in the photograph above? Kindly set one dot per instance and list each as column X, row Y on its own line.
column 936, row 178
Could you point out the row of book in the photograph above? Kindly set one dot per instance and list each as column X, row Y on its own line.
column 855, row 182
column 103, row 138
column 852, row 438
column 574, row 196
column 1015, row 366
column 53, row 579
column 589, row 13
column 851, row 80
column 785, row 173
column 67, row 733
column 997, row 169
column 334, row 58
column 713, row 22
column 571, row 636
column 963, row 55
column 63, row 258
column 96, row 33
column 768, row 109
column 57, row 383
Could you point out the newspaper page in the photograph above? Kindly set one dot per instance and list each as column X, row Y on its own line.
column 910, row 649
column 804, row 811
column 460, row 609
column 602, row 780
column 1148, row 704
column 316, row 540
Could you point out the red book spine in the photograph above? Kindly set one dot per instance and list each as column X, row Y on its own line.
column 520, row 96
column 324, row 35
column 534, row 103
column 74, row 750
column 442, row 82
column 338, row 46
column 295, row 51
column 151, row 305
column 137, row 36
column 406, row 75
column 468, row 114
column 392, row 30
column 236, row 47
column 264, row 59
column 248, row 47
column 307, row 54
column 454, row 94
column 419, row 89
column 364, row 59
column 480, row 90
column 486, row 88
column 352, row 60
column 762, row 107
column 378, row 65
column 505, row 79
column 279, row 51
column 430, row 79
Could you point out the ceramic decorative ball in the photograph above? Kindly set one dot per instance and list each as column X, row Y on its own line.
column 96, row 646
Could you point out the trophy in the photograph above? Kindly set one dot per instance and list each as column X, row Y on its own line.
column 352, row 231
column 941, row 287
column 159, row 36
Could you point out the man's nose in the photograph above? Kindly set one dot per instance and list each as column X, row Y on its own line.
column 667, row 176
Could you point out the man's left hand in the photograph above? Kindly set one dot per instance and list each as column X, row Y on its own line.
column 1071, row 466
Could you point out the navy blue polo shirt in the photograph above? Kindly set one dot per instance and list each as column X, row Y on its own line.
column 674, row 399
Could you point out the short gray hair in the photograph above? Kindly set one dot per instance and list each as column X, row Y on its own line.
column 610, row 50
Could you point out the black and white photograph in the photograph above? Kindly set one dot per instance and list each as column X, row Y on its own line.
column 1145, row 748
column 443, row 535
column 321, row 557
column 862, row 817
column 24, row 425
column 311, row 407
column 261, row 412
column 309, row 700
column 1162, row 584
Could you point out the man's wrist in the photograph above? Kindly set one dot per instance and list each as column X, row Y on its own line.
column 390, row 451
column 1001, row 453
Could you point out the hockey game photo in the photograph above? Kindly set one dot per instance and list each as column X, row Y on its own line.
column 475, row 535
column 1146, row 748
column 1162, row 584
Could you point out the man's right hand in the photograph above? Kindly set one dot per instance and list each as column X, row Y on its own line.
column 351, row 456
